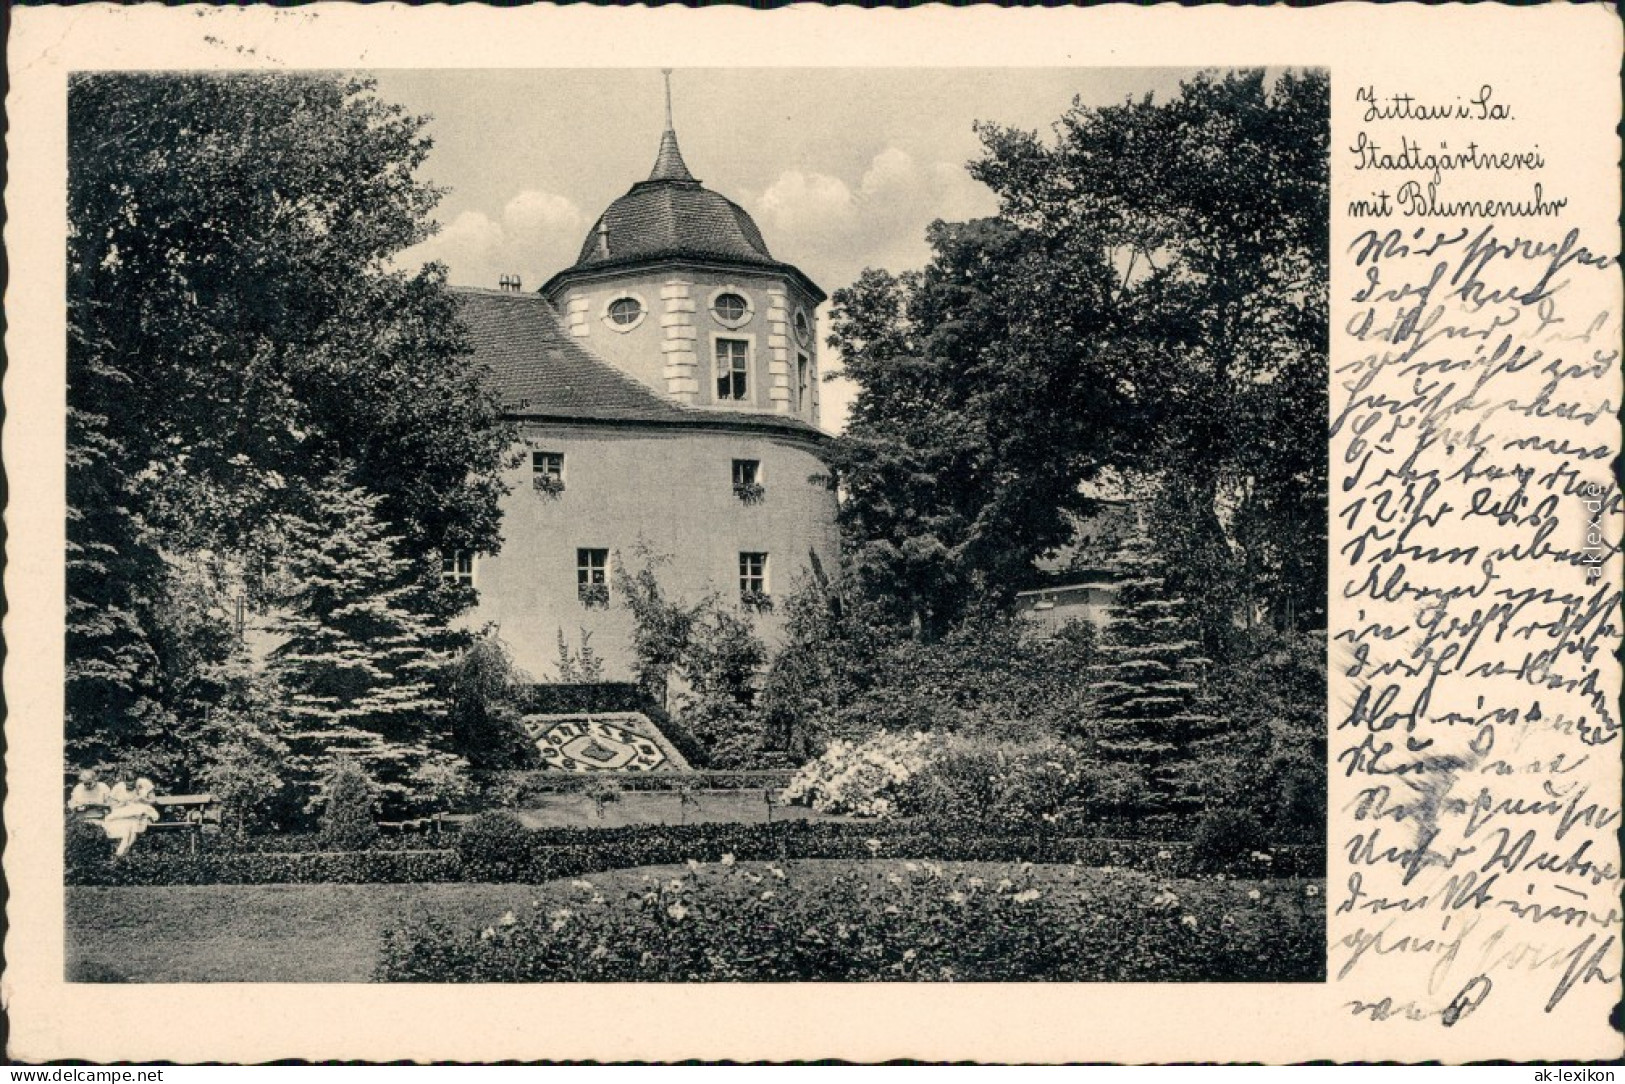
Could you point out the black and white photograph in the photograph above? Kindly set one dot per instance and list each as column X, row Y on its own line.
column 696, row 525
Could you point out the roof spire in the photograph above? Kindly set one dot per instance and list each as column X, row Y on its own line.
column 669, row 164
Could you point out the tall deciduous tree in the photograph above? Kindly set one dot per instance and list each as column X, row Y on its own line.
column 1213, row 208
column 1151, row 298
column 236, row 333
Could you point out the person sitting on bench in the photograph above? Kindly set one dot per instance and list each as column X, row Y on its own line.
column 91, row 796
column 131, row 813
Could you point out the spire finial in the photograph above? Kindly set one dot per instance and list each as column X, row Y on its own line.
column 669, row 165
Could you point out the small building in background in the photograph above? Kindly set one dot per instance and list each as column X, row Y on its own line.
column 1076, row 582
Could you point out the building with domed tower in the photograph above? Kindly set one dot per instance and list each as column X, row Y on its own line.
column 665, row 388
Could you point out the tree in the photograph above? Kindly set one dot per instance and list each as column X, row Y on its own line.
column 981, row 406
column 1146, row 692
column 236, row 334
column 1213, row 208
column 661, row 626
column 483, row 691
column 360, row 664
column 1150, row 299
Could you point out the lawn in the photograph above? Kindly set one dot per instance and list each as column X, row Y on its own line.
column 334, row 933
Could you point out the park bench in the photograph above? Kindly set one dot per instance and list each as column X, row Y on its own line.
column 186, row 813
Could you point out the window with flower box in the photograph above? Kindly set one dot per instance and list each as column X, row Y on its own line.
column 747, row 476
column 753, row 585
column 592, row 578
column 547, row 472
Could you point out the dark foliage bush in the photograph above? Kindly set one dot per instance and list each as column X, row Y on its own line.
column 909, row 922
column 86, row 850
column 1224, row 837
column 347, row 823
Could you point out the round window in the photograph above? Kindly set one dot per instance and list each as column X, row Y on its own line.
column 803, row 329
column 731, row 308
column 625, row 311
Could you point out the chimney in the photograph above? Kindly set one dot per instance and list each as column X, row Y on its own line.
column 603, row 238
column 509, row 283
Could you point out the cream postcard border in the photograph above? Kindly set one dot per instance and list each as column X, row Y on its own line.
column 1573, row 51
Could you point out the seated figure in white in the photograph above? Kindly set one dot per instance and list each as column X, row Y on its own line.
column 91, row 796
column 131, row 813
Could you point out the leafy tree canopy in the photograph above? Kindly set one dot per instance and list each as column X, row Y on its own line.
column 237, row 336
column 1150, row 298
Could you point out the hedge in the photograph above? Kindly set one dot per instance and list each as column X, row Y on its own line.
column 497, row 848
column 508, row 789
column 333, row 867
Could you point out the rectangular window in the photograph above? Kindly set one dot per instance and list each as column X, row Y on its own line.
column 547, row 465
column 803, row 388
column 752, row 574
column 747, row 472
column 458, row 567
column 547, row 472
column 733, row 368
column 592, row 577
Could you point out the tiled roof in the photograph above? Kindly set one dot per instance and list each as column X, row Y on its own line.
column 673, row 218
column 539, row 371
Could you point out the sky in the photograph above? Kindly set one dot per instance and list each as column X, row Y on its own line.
column 842, row 169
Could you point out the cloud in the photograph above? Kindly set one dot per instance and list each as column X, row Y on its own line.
column 834, row 226
column 798, row 202
column 538, row 233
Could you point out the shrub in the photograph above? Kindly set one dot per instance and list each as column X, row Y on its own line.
column 86, row 850
column 495, row 847
column 914, row 921
column 1226, row 836
column 483, row 692
column 348, row 797
column 1001, row 787
column 863, row 778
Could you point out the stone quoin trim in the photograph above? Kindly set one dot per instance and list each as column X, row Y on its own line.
column 679, row 341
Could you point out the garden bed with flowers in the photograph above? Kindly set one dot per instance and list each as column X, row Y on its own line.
column 900, row 920
column 885, row 920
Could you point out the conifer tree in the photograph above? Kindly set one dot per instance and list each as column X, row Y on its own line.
column 360, row 661
column 1146, row 690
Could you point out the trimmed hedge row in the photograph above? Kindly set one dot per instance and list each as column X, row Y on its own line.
column 333, row 867
column 512, row 788
column 497, row 848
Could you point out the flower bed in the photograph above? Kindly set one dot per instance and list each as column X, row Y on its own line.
column 511, row 789
column 892, row 921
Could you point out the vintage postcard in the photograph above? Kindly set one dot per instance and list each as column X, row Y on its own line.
column 1002, row 535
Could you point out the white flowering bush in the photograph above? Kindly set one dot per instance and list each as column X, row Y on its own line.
column 861, row 778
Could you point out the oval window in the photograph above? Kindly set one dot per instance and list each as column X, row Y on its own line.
column 625, row 310
column 731, row 308
column 803, row 329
